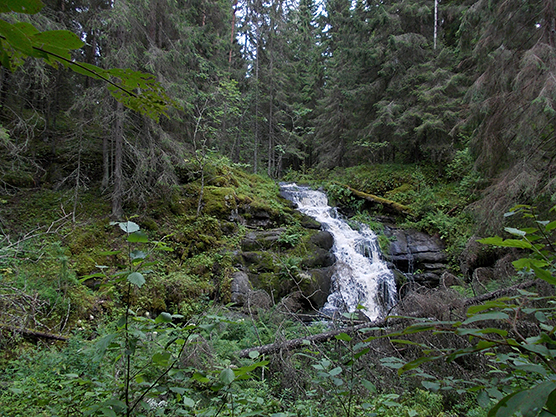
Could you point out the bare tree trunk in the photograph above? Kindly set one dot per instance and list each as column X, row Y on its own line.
column 256, row 150
column 106, row 162
column 117, row 194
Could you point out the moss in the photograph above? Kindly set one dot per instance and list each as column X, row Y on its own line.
column 260, row 262
column 172, row 292
column 148, row 223
column 268, row 281
column 219, row 201
column 401, row 189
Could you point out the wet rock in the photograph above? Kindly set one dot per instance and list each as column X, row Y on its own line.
column 427, row 279
column 310, row 223
column 262, row 239
column 411, row 250
column 318, row 286
column 323, row 240
column 318, row 258
column 241, row 287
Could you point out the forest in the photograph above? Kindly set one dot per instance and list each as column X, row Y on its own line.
column 151, row 263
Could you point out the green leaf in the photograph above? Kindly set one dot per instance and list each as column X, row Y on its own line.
column 137, row 255
column 63, row 39
column 550, row 226
column 161, row 358
column 26, row 28
column 509, row 243
column 432, row 386
column 514, row 231
column 136, row 278
column 529, row 263
column 227, row 376
column 138, row 237
column 528, row 402
column 496, row 315
column 89, row 70
column 163, row 318
column 472, row 310
column 369, row 385
column 128, row 227
column 188, row 402
column 483, row 399
column 254, row 354
column 343, row 336
column 165, row 248
column 102, row 345
column 21, row 6
column 110, row 253
column 200, row 378
column 544, row 275
column 15, row 37
column 416, row 363
column 335, row 371
column 361, row 353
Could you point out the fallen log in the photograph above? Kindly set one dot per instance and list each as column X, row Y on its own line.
column 316, row 338
column 32, row 333
column 388, row 204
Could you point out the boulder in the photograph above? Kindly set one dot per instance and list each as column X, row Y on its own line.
column 241, row 287
column 318, row 286
column 257, row 240
column 323, row 240
column 318, row 258
column 411, row 250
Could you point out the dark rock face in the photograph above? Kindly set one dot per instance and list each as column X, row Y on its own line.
column 262, row 239
column 417, row 254
column 318, row 258
column 241, row 287
column 482, row 263
column 319, row 286
column 323, row 240
column 262, row 264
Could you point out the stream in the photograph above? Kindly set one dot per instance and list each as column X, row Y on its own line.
column 361, row 277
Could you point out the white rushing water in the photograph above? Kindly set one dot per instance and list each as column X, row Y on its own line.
column 361, row 276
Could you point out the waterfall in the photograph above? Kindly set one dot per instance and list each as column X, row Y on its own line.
column 361, row 276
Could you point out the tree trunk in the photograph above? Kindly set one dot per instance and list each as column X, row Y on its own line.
column 118, row 132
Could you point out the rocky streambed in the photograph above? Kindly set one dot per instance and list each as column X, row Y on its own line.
column 297, row 269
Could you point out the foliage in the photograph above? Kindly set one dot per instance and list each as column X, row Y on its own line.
column 136, row 90
column 515, row 332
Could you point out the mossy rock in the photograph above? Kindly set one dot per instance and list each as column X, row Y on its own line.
column 272, row 283
column 171, row 292
column 195, row 235
column 219, row 201
column 260, row 262
column 148, row 223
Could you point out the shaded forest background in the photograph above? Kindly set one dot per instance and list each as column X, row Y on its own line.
column 446, row 108
column 281, row 86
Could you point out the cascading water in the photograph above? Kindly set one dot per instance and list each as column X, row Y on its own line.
column 361, row 277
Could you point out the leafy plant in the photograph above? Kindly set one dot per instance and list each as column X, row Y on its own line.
column 522, row 378
column 138, row 91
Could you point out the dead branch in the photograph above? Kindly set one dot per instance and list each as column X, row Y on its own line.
column 316, row 338
column 32, row 333
column 54, row 227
